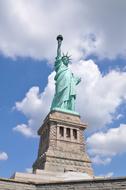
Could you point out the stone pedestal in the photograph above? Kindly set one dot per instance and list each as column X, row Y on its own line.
column 62, row 145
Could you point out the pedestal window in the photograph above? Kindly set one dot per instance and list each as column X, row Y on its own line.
column 75, row 133
column 68, row 132
column 61, row 131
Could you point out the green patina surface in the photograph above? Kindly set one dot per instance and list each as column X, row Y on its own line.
column 65, row 83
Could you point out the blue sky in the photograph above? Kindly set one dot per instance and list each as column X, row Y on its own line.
column 94, row 34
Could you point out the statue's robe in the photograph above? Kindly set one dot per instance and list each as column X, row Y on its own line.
column 65, row 85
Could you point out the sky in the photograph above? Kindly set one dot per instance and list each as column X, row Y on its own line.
column 94, row 36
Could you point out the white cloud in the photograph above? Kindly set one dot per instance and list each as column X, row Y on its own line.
column 3, row 156
column 35, row 106
column 25, row 130
column 119, row 116
column 29, row 170
column 34, row 24
column 108, row 175
column 106, row 93
column 100, row 160
column 107, row 144
column 98, row 97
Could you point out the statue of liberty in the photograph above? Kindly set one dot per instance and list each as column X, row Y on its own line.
column 65, row 82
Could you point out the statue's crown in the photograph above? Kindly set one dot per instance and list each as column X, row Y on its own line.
column 66, row 56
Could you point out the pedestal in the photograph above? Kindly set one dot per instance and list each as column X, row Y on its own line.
column 62, row 145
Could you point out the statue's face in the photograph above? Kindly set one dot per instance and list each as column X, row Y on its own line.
column 65, row 60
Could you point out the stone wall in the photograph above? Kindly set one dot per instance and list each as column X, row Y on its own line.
column 103, row 184
column 95, row 184
column 6, row 184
